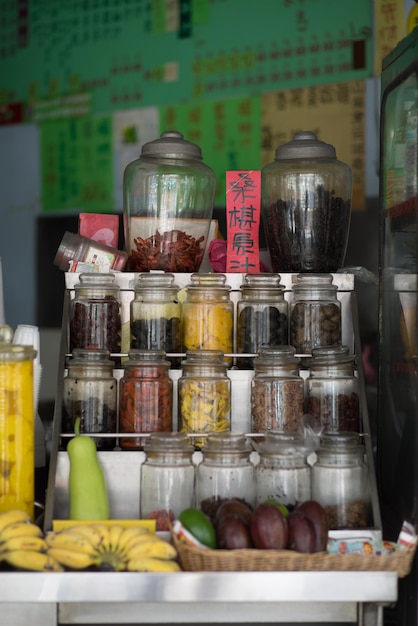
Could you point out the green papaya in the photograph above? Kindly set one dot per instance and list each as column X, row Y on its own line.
column 88, row 497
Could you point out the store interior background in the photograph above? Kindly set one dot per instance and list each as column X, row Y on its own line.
column 33, row 287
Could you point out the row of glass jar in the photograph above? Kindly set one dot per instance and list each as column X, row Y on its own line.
column 284, row 468
column 142, row 401
column 205, row 320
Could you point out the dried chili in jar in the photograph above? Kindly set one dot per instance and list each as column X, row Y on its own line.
column 145, row 397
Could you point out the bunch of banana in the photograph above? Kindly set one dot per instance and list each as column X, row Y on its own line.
column 22, row 544
column 111, row 548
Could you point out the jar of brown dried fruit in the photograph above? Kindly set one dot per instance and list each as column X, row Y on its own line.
column 168, row 206
column 145, row 397
column 277, row 393
column 315, row 313
column 306, row 206
column 340, row 480
column 331, row 389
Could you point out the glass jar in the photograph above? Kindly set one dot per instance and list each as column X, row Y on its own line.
column 204, row 394
column 331, row 389
column 95, row 313
column 277, row 390
column 168, row 205
column 226, row 471
column 167, row 478
column 90, row 393
column 262, row 316
column 283, row 472
column 17, row 425
column 340, row 481
column 306, row 206
column 315, row 313
column 208, row 314
column 145, row 397
column 76, row 252
column 155, row 315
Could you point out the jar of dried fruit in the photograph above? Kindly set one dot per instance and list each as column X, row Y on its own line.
column 168, row 205
column 340, row 480
column 306, row 206
column 90, row 393
column 283, row 472
column 226, row 471
column 331, row 389
column 95, row 313
column 262, row 316
column 277, row 394
column 315, row 313
column 204, row 394
column 208, row 314
column 145, row 397
column 155, row 315
column 167, row 478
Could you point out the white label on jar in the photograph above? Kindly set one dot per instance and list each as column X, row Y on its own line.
column 104, row 260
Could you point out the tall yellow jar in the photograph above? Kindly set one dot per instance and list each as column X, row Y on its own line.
column 17, row 482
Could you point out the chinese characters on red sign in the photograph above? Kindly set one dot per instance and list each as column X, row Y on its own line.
column 243, row 195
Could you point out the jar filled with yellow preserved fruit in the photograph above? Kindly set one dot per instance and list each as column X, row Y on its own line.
column 208, row 314
column 204, row 395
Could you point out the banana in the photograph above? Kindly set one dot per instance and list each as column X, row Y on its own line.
column 11, row 517
column 115, row 533
column 149, row 564
column 70, row 541
column 14, row 544
column 21, row 528
column 131, row 534
column 159, row 549
column 33, row 560
column 97, row 535
column 72, row 559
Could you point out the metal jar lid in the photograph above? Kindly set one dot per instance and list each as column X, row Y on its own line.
column 171, row 145
column 305, row 145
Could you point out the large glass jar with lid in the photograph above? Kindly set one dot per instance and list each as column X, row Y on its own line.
column 145, row 397
column 168, row 205
column 204, row 394
column 306, row 206
column 331, row 389
column 90, row 393
column 283, row 472
column 315, row 313
column 277, row 390
column 262, row 316
column 155, row 314
column 226, row 471
column 167, row 478
column 340, row 480
column 95, row 313
column 208, row 314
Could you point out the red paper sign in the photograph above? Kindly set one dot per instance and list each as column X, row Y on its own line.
column 243, row 195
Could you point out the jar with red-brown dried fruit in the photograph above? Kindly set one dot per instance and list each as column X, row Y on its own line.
column 145, row 397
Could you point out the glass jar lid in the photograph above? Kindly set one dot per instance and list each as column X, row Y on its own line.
column 339, row 448
column 204, row 358
column 136, row 357
column 90, row 357
column 172, row 145
column 305, row 145
column 232, row 444
column 168, row 443
column 151, row 283
column 318, row 282
column 276, row 355
column 15, row 352
column 279, row 443
column 100, row 284
column 263, row 281
column 208, row 281
column 330, row 355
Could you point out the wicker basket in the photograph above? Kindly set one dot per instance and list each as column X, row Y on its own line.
column 203, row 559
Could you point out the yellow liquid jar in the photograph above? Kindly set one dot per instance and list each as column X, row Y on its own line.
column 17, row 480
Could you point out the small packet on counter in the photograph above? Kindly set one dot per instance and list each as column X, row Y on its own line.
column 407, row 536
column 185, row 536
column 357, row 545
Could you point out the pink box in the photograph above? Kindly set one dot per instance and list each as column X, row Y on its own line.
column 102, row 227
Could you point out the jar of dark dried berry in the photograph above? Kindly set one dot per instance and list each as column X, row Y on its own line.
column 226, row 471
column 306, row 206
column 208, row 314
column 277, row 393
column 90, row 393
column 340, row 480
column 95, row 313
column 168, row 195
column 283, row 471
column 331, row 389
column 167, row 478
column 145, row 397
column 315, row 313
column 155, row 315
column 262, row 316
column 204, row 394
